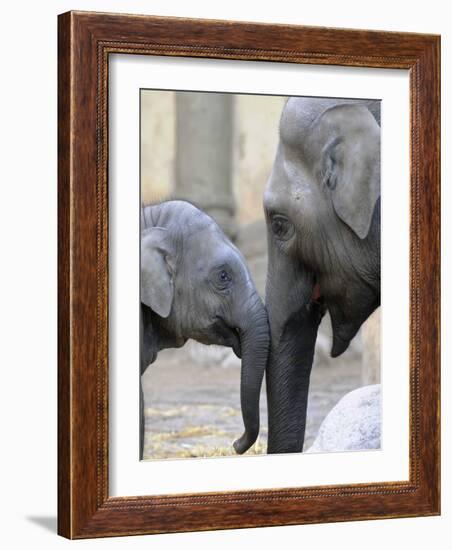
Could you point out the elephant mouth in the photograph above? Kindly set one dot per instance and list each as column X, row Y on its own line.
column 317, row 298
column 345, row 320
column 228, row 336
column 236, row 344
column 340, row 341
column 343, row 325
column 316, row 295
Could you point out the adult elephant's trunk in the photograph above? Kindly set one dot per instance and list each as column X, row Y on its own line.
column 294, row 318
column 288, row 375
column 255, row 341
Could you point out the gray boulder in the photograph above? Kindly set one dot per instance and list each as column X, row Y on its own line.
column 354, row 424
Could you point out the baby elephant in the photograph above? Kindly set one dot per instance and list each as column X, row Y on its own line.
column 195, row 284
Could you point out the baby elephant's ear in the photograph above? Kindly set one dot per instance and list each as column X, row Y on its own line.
column 352, row 164
column 157, row 285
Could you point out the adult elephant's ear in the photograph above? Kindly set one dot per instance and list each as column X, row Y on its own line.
column 157, row 285
column 351, row 164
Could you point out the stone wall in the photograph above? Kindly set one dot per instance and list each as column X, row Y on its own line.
column 254, row 142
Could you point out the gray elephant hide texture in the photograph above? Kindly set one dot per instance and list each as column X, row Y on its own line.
column 195, row 284
column 322, row 208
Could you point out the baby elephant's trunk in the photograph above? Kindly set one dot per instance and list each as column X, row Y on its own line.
column 255, row 342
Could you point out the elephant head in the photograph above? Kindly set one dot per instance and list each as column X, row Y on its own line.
column 195, row 284
column 322, row 206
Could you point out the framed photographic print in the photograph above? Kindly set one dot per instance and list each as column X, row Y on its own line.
column 248, row 275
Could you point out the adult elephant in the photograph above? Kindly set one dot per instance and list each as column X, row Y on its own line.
column 322, row 205
column 195, row 284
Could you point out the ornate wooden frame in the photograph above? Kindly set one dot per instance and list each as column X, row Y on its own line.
column 85, row 41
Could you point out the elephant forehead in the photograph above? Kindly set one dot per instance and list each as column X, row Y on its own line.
column 298, row 117
column 301, row 115
column 290, row 183
column 205, row 237
column 208, row 242
column 294, row 121
column 210, row 249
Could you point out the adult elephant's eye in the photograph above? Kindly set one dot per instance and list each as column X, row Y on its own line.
column 282, row 228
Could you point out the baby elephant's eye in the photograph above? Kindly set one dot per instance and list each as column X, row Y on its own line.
column 223, row 279
column 282, row 228
column 224, row 276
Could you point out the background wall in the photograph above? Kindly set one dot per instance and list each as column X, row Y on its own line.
column 254, row 141
column 28, row 273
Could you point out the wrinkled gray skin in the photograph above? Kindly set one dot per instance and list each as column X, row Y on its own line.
column 195, row 284
column 322, row 205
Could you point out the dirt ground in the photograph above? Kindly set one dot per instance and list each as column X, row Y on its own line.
column 192, row 400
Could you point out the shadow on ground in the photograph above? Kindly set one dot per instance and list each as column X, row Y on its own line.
column 49, row 523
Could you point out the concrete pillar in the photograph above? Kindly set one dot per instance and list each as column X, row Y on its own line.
column 203, row 166
column 371, row 349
